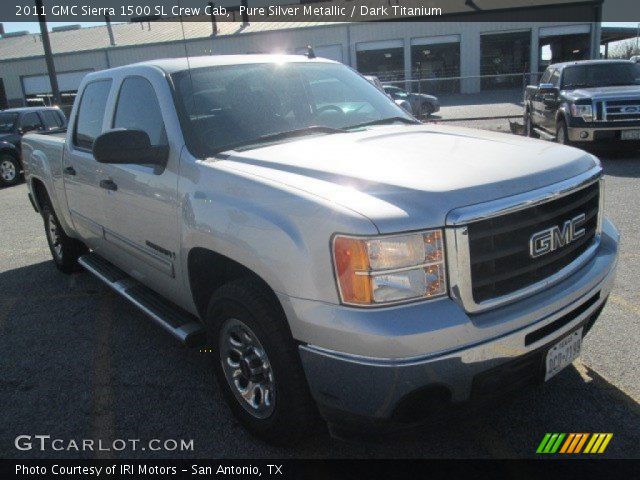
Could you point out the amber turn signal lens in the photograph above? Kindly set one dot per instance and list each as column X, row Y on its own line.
column 351, row 256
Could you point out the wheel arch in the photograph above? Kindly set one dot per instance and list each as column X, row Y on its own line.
column 208, row 270
column 40, row 193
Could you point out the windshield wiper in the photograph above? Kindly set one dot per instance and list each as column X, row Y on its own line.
column 274, row 137
column 384, row 121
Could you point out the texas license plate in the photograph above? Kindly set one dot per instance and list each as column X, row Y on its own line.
column 630, row 134
column 563, row 353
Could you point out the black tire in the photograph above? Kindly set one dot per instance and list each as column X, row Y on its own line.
column 528, row 126
column 562, row 133
column 64, row 249
column 10, row 168
column 293, row 410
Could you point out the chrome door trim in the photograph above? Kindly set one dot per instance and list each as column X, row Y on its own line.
column 146, row 255
column 87, row 223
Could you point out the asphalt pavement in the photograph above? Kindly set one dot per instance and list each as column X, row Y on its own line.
column 77, row 362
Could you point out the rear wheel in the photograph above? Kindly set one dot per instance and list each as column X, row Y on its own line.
column 257, row 364
column 9, row 170
column 64, row 249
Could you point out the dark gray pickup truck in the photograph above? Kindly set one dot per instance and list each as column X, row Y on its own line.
column 586, row 102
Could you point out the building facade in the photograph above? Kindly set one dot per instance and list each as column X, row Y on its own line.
column 440, row 57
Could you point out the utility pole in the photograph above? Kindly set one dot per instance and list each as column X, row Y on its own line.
column 48, row 56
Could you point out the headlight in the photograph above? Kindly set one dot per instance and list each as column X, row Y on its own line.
column 584, row 111
column 390, row 269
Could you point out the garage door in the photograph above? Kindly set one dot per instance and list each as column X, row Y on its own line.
column 39, row 84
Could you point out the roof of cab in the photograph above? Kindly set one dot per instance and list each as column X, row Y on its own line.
column 172, row 65
column 588, row 62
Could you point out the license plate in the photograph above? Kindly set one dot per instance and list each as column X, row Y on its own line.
column 630, row 135
column 563, row 353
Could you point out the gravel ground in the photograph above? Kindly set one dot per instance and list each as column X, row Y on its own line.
column 78, row 362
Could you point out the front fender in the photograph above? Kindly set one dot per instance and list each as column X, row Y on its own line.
column 283, row 236
column 8, row 147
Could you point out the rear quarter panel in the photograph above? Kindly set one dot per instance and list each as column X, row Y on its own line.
column 42, row 156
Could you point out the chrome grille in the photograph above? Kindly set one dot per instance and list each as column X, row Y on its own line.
column 499, row 247
column 617, row 110
column 488, row 243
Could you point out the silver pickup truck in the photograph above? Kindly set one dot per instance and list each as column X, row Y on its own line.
column 332, row 254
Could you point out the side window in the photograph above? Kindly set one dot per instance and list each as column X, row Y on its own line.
column 138, row 109
column 91, row 113
column 555, row 78
column 31, row 121
column 546, row 76
column 51, row 119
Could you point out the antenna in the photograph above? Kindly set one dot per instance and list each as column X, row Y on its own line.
column 310, row 52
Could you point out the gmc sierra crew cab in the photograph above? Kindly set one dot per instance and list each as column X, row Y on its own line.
column 336, row 256
column 586, row 102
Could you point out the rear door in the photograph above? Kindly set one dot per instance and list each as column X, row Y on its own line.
column 141, row 211
column 82, row 174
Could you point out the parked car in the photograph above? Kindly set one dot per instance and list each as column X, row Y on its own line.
column 333, row 254
column 421, row 103
column 586, row 102
column 14, row 123
column 402, row 103
column 635, row 59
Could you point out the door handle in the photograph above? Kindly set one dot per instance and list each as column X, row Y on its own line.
column 69, row 171
column 108, row 185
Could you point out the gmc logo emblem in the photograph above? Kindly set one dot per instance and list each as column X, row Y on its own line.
column 551, row 239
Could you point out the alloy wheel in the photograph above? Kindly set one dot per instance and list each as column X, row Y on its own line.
column 247, row 368
column 8, row 171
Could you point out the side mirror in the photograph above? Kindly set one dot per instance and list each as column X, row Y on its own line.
column 128, row 146
column 545, row 88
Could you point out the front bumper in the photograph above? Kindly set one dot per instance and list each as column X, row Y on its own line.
column 456, row 350
column 600, row 134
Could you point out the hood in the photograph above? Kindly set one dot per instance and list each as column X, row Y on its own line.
column 606, row 92
column 410, row 177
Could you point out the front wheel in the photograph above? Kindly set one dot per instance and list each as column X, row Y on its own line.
column 257, row 364
column 528, row 126
column 562, row 134
column 64, row 249
column 9, row 170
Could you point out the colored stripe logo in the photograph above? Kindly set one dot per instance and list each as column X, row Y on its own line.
column 574, row 443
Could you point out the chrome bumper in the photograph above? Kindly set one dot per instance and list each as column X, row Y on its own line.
column 588, row 134
column 373, row 387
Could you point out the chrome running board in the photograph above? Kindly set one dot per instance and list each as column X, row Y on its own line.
column 179, row 323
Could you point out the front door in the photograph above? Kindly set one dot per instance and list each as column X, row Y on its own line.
column 141, row 207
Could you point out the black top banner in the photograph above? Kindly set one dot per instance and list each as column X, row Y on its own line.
column 321, row 11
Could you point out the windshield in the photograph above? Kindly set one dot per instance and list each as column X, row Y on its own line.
column 233, row 105
column 601, row 75
column 7, row 122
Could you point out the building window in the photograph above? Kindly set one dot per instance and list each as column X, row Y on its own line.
column 504, row 59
